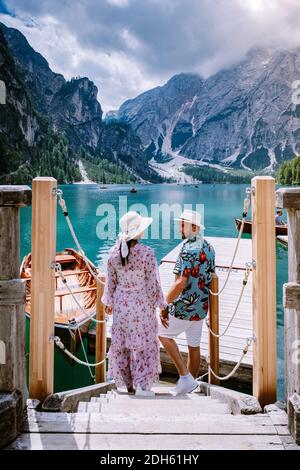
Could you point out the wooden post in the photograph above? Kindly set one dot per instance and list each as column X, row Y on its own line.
column 264, row 289
column 289, row 198
column 214, row 325
column 42, row 287
column 12, row 313
column 100, row 334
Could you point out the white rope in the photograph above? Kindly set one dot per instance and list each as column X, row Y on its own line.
column 245, row 280
column 85, row 355
column 58, row 343
column 63, row 206
column 245, row 211
column 64, row 280
column 228, row 376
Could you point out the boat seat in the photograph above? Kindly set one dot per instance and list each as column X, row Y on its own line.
column 77, row 290
column 68, row 272
column 62, row 259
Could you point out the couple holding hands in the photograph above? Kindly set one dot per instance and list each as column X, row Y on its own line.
column 133, row 292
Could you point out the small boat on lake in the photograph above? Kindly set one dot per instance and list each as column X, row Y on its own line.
column 280, row 229
column 67, row 314
column 133, row 190
column 103, row 187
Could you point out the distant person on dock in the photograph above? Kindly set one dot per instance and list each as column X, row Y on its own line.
column 188, row 299
column 278, row 218
column 132, row 293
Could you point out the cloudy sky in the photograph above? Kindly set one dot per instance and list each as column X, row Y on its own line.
column 129, row 46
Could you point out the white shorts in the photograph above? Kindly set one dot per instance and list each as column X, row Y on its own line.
column 192, row 329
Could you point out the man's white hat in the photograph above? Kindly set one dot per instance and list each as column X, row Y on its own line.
column 192, row 217
column 132, row 225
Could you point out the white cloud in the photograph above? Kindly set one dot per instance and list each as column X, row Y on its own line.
column 118, row 3
column 125, row 46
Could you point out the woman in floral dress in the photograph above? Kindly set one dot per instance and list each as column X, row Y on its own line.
column 132, row 293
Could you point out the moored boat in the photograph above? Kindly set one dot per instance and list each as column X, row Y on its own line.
column 280, row 229
column 67, row 314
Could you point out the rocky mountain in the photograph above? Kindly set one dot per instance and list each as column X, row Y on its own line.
column 41, row 82
column 161, row 117
column 241, row 117
column 68, row 108
column 21, row 127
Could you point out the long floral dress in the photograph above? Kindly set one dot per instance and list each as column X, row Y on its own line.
column 134, row 291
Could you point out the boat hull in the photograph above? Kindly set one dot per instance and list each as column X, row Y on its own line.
column 280, row 229
column 81, row 282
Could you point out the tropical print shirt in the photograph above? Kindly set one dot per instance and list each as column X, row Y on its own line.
column 196, row 261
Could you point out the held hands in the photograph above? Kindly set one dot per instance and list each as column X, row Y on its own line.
column 164, row 317
column 108, row 310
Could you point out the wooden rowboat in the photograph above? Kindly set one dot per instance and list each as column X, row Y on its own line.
column 280, row 229
column 83, row 285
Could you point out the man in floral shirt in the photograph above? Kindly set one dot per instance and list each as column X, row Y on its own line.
column 188, row 300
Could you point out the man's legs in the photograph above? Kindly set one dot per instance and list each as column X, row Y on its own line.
column 172, row 349
column 193, row 362
column 193, row 337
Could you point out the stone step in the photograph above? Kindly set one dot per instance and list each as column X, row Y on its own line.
column 144, row 408
column 125, row 397
column 163, row 408
column 165, row 412
column 135, row 423
column 163, row 404
column 88, row 407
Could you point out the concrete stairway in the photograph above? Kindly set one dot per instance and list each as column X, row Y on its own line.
column 163, row 405
column 116, row 420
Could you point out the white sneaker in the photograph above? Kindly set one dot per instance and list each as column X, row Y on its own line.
column 185, row 385
column 144, row 393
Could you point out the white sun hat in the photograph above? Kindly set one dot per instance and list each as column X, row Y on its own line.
column 132, row 224
column 192, row 217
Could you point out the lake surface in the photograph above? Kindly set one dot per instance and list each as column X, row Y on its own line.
column 221, row 204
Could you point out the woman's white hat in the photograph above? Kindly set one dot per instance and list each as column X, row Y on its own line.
column 132, row 224
column 192, row 217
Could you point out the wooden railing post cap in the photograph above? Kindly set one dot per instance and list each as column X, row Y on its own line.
column 288, row 198
column 14, row 195
column 263, row 178
column 44, row 178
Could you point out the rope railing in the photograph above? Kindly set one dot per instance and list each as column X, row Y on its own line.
column 236, row 367
column 245, row 281
column 61, row 346
column 63, row 206
column 75, row 325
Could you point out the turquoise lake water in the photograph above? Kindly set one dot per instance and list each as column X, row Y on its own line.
column 221, row 204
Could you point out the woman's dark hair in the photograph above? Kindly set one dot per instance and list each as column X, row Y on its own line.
column 130, row 243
